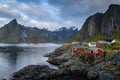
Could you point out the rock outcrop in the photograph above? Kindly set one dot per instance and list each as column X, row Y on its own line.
column 38, row 72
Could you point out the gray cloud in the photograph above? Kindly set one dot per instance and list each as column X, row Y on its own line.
column 74, row 9
column 6, row 11
column 52, row 14
column 40, row 12
column 36, row 11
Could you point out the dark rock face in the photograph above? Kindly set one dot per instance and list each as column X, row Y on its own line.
column 105, row 24
column 92, row 75
column 91, row 27
column 33, row 72
column 57, row 52
column 116, row 59
column 111, row 20
column 106, row 76
column 37, row 72
column 54, row 57
column 16, row 33
column 56, row 61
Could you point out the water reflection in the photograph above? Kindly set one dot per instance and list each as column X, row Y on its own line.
column 13, row 58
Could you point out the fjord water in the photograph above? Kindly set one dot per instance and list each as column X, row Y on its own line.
column 14, row 57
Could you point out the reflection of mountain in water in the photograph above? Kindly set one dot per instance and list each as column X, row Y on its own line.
column 11, row 49
column 12, row 52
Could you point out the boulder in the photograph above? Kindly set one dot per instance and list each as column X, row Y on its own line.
column 37, row 72
column 33, row 72
column 116, row 59
column 57, row 52
column 106, row 76
column 56, row 61
column 92, row 75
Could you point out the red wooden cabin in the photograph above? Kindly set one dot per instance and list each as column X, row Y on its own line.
column 77, row 50
column 96, row 51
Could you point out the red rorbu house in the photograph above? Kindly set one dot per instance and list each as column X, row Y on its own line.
column 96, row 51
column 77, row 50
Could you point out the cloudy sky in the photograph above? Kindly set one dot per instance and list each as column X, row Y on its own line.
column 51, row 14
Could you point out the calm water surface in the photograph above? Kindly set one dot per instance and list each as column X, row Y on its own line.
column 13, row 57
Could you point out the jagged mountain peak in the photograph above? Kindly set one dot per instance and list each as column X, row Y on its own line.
column 73, row 28
column 12, row 24
column 63, row 28
column 14, row 21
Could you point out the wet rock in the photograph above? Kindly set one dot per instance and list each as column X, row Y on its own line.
column 106, row 76
column 56, row 61
column 92, row 75
column 116, row 59
column 33, row 72
column 79, row 66
column 59, row 57
column 76, row 68
column 56, row 53
column 67, row 64
column 37, row 72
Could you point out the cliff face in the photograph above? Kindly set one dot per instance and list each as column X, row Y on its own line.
column 16, row 33
column 105, row 24
column 111, row 20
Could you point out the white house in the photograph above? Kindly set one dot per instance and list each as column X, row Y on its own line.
column 107, row 41
column 113, row 41
column 75, row 43
column 92, row 44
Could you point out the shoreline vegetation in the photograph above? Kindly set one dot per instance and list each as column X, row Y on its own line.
column 73, row 67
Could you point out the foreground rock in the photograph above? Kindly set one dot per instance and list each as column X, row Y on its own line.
column 56, row 53
column 32, row 72
column 37, row 72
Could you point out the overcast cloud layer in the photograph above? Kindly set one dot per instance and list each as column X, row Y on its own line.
column 51, row 14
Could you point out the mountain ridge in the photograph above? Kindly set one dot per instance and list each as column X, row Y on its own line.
column 16, row 33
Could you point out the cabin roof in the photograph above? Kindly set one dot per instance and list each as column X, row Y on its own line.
column 109, row 40
column 94, row 48
column 78, row 47
column 92, row 43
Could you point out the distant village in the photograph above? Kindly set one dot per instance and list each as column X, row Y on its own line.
column 98, row 48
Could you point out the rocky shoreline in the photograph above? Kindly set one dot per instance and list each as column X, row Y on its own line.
column 71, row 68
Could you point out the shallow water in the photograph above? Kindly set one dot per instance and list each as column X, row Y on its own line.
column 13, row 57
